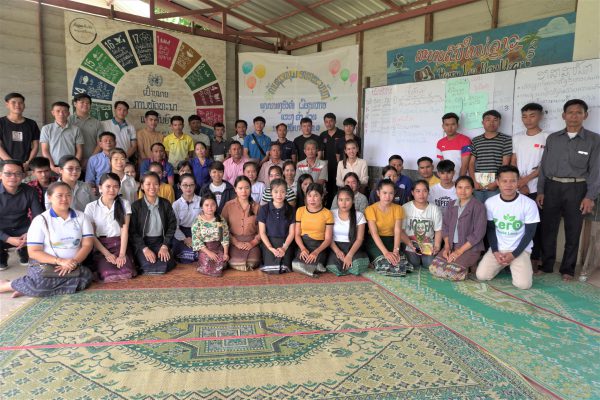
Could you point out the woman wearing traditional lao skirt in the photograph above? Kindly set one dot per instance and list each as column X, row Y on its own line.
column 110, row 215
column 210, row 238
column 385, row 232
column 240, row 214
column 58, row 242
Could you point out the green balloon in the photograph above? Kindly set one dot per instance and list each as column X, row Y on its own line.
column 345, row 74
column 247, row 67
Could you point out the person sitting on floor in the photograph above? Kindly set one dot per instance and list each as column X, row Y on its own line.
column 385, row 232
column 58, row 240
column 152, row 228
column 186, row 208
column 360, row 200
column 110, row 215
column 210, row 238
column 18, row 203
column 511, row 225
column 165, row 190
column 346, row 256
column 240, row 214
column 303, row 182
column 423, row 226
column 276, row 225
column 400, row 195
column 222, row 190
column 314, row 233
column 275, row 172
column 118, row 166
column 464, row 226
column 70, row 171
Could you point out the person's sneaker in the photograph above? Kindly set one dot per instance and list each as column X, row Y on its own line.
column 23, row 256
column 3, row 260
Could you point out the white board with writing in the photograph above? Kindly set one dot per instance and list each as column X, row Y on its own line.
column 552, row 85
column 406, row 119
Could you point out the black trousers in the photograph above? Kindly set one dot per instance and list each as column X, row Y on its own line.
column 13, row 232
column 536, row 251
column 562, row 200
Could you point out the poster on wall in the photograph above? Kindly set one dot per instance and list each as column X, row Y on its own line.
column 286, row 89
column 540, row 42
column 151, row 69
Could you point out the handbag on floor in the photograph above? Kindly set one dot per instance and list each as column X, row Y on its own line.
column 275, row 269
column 441, row 268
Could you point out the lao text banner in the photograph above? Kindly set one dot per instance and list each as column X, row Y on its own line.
column 284, row 88
column 540, row 42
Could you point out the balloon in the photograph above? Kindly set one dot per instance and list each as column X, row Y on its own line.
column 344, row 75
column 334, row 66
column 353, row 77
column 251, row 82
column 260, row 71
column 246, row 67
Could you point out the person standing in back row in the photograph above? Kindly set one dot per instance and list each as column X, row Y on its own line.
column 333, row 150
column 19, row 136
column 568, row 184
column 491, row 150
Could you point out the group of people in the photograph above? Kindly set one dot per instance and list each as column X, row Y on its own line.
column 303, row 205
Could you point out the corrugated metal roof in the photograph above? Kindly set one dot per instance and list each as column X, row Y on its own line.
column 291, row 23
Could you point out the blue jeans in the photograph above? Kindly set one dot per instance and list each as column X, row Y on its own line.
column 483, row 195
column 417, row 260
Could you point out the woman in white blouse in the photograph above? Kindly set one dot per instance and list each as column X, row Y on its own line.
column 351, row 163
column 58, row 242
column 70, row 171
column 129, row 186
column 186, row 208
column 349, row 228
column 110, row 216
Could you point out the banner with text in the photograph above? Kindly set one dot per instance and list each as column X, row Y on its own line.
column 540, row 42
column 284, row 88
column 151, row 69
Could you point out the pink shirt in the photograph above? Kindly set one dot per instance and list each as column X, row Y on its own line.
column 233, row 170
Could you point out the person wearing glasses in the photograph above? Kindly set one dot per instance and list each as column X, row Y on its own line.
column 58, row 240
column 186, row 208
column 70, row 171
column 16, row 199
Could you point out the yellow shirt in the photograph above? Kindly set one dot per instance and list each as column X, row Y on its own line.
column 434, row 180
column 385, row 221
column 165, row 191
column 314, row 224
column 178, row 149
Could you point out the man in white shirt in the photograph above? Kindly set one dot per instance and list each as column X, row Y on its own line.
column 528, row 148
column 512, row 220
column 124, row 131
column 441, row 194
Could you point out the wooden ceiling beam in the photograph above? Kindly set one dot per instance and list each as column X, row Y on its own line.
column 240, row 17
column 184, row 13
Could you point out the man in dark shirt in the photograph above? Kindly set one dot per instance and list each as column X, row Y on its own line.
column 16, row 200
column 568, row 185
column 19, row 136
column 306, row 127
column 331, row 140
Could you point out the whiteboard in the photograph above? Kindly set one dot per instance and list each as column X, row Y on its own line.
column 406, row 119
column 552, row 85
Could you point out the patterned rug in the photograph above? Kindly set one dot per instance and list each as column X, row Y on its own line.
column 185, row 276
column 550, row 333
column 352, row 340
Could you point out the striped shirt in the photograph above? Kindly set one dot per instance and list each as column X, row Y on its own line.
column 267, row 197
column 488, row 153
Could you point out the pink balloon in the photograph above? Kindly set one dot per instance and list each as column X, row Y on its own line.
column 353, row 77
column 334, row 66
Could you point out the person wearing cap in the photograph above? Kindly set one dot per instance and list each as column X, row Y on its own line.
column 568, row 184
column 89, row 126
column 19, row 136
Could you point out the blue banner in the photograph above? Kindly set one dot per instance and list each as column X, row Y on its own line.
column 539, row 42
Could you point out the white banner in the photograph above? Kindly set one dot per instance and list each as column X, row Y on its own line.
column 284, row 88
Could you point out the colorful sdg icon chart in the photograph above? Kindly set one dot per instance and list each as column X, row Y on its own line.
column 114, row 57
